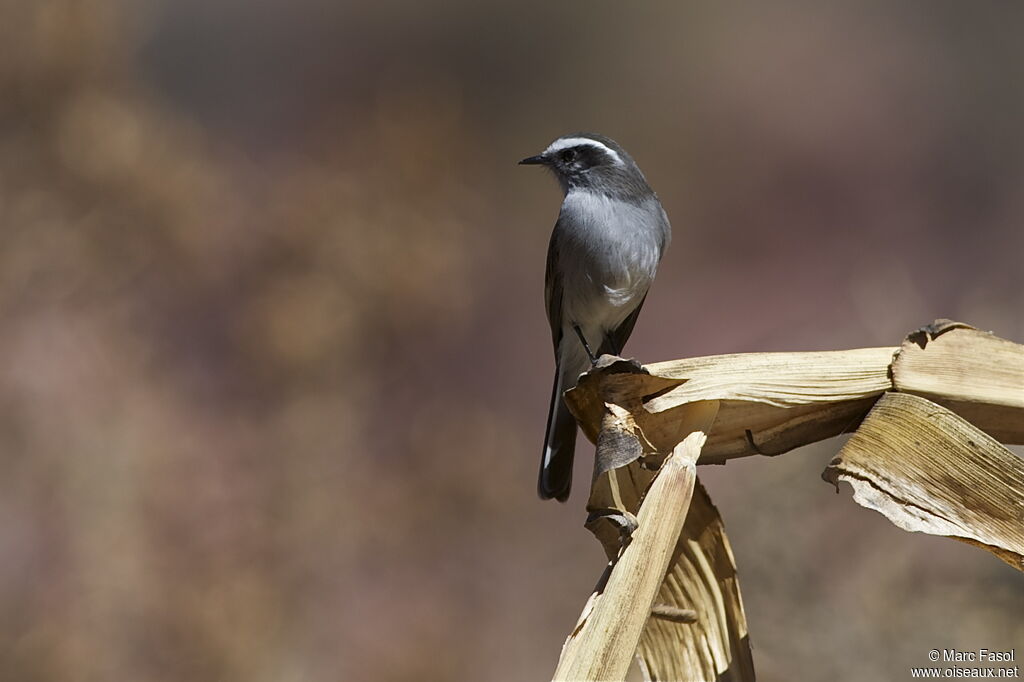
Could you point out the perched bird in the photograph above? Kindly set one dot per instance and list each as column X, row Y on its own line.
column 604, row 252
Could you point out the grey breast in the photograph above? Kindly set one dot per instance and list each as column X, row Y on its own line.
column 615, row 247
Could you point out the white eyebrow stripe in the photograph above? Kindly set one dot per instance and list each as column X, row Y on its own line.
column 567, row 142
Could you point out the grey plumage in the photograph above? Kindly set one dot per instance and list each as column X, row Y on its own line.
column 603, row 255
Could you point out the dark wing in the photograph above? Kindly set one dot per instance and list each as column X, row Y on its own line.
column 553, row 291
column 615, row 339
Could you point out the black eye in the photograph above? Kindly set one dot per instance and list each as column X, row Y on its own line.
column 569, row 155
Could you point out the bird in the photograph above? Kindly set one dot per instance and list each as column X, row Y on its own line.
column 603, row 255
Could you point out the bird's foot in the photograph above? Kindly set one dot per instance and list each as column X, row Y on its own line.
column 586, row 346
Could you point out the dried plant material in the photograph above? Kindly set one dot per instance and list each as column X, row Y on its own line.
column 698, row 629
column 927, row 470
column 977, row 375
column 779, row 379
column 769, row 402
column 673, row 614
column 605, row 640
column 919, row 464
column 622, row 476
column 715, row 644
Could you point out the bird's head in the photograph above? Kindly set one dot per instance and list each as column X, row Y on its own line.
column 591, row 162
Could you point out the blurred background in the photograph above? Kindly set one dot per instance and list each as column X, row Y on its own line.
column 274, row 366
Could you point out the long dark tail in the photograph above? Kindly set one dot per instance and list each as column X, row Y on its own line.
column 555, row 478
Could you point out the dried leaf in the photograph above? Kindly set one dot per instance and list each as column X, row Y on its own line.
column 929, row 471
column 977, row 375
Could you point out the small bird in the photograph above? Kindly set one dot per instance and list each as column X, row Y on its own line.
column 605, row 249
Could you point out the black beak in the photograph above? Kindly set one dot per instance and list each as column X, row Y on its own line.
column 533, row 161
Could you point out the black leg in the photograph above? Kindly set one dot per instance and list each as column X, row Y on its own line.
column 583, row 340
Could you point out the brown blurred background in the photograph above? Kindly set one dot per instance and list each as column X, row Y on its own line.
column 274, row 365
